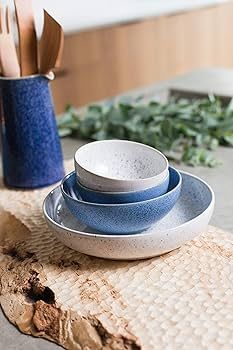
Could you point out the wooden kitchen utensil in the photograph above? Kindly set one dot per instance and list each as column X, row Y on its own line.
column 51, row 44
column 8, row 56
column 27, row 37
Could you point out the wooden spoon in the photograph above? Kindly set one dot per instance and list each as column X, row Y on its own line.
column 27, row 37
column 51, row 44
column 8, row 56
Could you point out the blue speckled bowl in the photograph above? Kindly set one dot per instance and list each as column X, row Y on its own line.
column 121, row 218
column 93, row 196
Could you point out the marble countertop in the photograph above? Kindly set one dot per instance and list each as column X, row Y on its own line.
column 83, row 15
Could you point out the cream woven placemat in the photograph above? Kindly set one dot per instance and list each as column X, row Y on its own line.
column 182, row 300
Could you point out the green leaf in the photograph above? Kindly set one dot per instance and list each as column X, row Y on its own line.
column 228, row 139
column 63, row 132
column 185, row 130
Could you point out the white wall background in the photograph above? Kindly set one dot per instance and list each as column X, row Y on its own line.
column 75, row 15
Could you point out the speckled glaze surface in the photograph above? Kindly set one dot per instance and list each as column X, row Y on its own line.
column 32, row 154
column 119, row 166
column 188, row 218
column 121, row 197
column 121, row 218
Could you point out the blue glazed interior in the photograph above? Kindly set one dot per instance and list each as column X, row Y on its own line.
column 32, row 155
column 70, row 187
column 120, row 197
column 121, row 218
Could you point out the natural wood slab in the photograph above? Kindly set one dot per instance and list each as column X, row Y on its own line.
column 182, row 299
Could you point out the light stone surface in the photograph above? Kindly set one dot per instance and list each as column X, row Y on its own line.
column 219, row 178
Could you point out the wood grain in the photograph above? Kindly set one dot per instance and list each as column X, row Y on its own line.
column 51, row 44
column 27, row 37
column 105, row 62
column 8, row 56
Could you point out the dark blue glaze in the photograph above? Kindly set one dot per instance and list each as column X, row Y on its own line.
column 121, row 218
column 121, row 197
column 32, row 155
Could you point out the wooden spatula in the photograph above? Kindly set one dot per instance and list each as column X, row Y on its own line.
column 51, row 44
column 27, row 37
column 8, row 56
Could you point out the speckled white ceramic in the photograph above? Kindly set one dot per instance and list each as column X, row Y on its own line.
column 121, row 218
column 119, row 166
column 189, row 217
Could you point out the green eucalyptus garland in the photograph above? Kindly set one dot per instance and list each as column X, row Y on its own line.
column 184, row 130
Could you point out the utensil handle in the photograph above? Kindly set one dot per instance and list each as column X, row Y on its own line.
column 27, row 37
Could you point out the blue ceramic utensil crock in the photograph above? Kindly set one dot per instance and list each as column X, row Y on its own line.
column 32, row 155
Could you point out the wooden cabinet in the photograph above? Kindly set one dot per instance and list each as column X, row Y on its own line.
column 104, row 62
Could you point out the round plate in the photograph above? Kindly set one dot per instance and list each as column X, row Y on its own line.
column 188, row 218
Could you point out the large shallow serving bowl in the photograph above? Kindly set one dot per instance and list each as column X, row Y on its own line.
column 119, row 166
column 121, row 197
column 121, row 218
column 188, row 218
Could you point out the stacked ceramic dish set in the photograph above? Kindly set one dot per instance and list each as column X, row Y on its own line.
column 124, row 201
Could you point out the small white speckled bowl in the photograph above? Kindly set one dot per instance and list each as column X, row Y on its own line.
column 119, row 166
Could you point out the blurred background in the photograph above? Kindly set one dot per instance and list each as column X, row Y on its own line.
column 114, row 46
